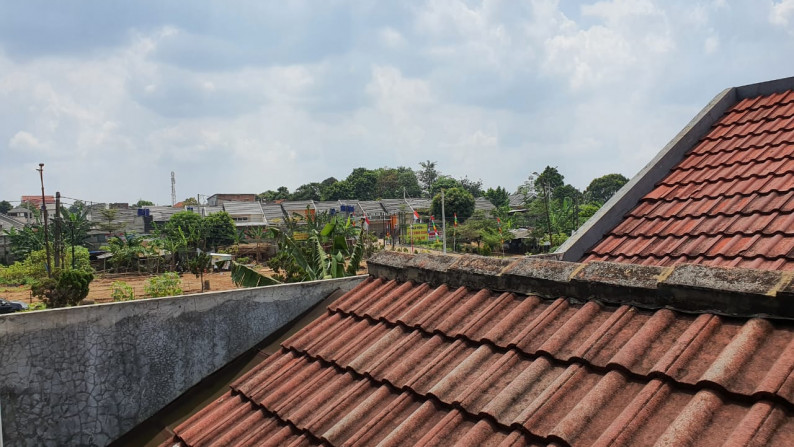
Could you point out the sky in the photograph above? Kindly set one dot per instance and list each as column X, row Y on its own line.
column 246, row 96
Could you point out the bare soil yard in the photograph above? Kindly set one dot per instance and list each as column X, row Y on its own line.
column 102, row 285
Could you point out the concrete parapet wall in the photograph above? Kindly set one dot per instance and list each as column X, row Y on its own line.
column 86, row 375
column 688, row 288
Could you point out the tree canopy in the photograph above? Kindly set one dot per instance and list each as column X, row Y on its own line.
column 456, row 201
column 603, row 188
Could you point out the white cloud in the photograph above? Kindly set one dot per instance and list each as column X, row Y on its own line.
column 781, row 12
column 492, row 90
column 24, row 141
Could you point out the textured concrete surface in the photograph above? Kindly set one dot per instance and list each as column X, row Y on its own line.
column 725, row 291
column 85, row 375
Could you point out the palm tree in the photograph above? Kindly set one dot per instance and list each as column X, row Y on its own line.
column 76, row 227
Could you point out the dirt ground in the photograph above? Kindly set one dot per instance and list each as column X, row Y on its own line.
column 101, row 286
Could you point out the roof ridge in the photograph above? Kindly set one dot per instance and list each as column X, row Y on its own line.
column 691, row 288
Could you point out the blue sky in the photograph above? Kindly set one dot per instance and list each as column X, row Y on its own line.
column 245, row 96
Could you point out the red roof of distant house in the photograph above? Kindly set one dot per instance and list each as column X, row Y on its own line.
column 36, row 200
column 729, row 202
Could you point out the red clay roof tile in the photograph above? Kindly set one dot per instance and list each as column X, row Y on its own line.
column 736, row 187
column 444, row 366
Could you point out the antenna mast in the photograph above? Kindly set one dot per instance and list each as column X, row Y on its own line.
column 173, row 189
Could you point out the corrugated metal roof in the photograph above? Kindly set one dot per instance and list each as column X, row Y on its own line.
column 243, row 208
column 405, row 363
column 730, row 201
column 483, row 204
column 326, row 207
column 8, row 222
column 274, row 214
column 371, row 208
column 394, row 206
column 419, row 204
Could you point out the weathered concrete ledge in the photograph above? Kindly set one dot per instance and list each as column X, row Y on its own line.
column 86, row 375
column 690, row 288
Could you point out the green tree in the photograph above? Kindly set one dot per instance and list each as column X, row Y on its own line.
column 109, row 224
column 186, row 224
column 472, row 186
column 443, row 182
column 66, row 288
column 427, row 175
column 456, row 201
column 190, row 201
column 308, row 191
column 362, row 183
column 338, row 191
column 75, row 227
column 219, row 230
column 498, row 197
column 603, row 188
column 5, row 207
column 142, row 203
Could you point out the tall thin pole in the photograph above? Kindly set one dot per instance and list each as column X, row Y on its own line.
column 443, row 222
column 44, row 213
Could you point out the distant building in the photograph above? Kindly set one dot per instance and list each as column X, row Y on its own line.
column 220, row 199
column 36, row 200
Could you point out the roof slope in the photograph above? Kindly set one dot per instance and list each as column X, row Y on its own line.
column 398, row 362
column 728, row 202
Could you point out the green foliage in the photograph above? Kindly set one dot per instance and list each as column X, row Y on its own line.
column 190, row 201
column 427, row 175
column 243, row 276
column 126, row 250
column 322, row 253
column 33, row 267
column 142, row 203
column 167, row 284
column 472, row 186
column 26, row 240
column 443, row 182
column 66, row 288
column 75, row 226
column 187, row 225
column 498, row 197
column 243, row 260
column 218, row 229
column 109, row 224
column 38, row 305
column 456, row 200
column 603, row 188
column 5, row 207
column 121, row 291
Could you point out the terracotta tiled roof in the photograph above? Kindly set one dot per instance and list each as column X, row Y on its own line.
column 396, row 362
column 729, row 202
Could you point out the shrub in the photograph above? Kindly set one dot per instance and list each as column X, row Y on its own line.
column 121, row 291
column 33, row 268
column 167, row 284
column 243, row 260
column 66, row 288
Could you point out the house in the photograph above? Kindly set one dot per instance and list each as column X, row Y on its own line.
column 667, row 320
column 245, row 213
column 6, row 224
column 220, row 199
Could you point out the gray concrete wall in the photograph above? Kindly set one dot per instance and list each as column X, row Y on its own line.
column 85, row 375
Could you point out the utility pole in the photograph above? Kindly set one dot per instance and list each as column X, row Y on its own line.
column 56, row 243
column 443, row 221
column 44, row 215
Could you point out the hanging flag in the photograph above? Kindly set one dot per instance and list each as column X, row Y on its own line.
column 455, row 216
column 366, row 219
column 416, row 215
